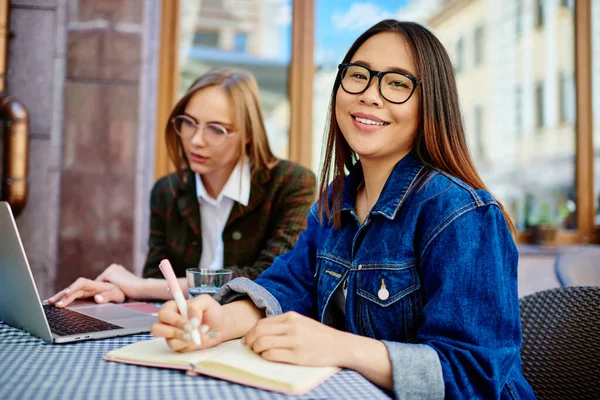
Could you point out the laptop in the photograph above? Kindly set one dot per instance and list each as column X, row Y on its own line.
column 21, row 307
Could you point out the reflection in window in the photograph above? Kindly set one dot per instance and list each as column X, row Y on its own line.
column 567, row 98
column 513, row 93
column 479, row 146
column 458, row 57
column 539, row 13
column 519, row 17
column 478, row 42
column 209, row 39
column 247, row 34
column 519, row 110
column 241, row 40
column 539, row 105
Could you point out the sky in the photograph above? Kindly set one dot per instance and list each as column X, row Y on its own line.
column 339, row 22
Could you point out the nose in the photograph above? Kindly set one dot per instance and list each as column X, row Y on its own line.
column 198, row 138
column 371, row 96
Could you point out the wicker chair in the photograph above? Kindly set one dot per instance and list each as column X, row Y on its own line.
column 578, row 266
column 561, row 342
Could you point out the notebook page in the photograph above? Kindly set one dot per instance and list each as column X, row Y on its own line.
column 241, row 357
column 157, row 351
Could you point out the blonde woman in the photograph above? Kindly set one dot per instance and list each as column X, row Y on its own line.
column 231, row 204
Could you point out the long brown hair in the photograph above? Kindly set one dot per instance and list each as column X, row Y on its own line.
column 440, row 139
column 242, row 90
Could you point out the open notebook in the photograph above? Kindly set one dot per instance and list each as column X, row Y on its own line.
column 230, row 360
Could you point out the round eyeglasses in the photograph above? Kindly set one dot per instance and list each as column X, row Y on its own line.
column 186, row 128
column 395, row 87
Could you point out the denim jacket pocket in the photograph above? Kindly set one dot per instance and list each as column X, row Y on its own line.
column 388, row 297
column 330, row 273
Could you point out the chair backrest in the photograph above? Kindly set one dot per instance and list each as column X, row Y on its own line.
column 561, row 342
column 578, row 266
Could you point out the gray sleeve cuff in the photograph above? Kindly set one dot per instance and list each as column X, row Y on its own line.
column 240, row 288
column 417, row 371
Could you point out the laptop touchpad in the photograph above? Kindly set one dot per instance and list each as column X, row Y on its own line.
column 108, row 312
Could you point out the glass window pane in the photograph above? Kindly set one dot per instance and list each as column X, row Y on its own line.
column 515, row 68
column 246, row 34
column 517, row 97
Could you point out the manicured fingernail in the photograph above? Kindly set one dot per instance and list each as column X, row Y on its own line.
column 187, row 337
column 212, row 335
column 195, row 322
column 67, row 290
column 204, row 329
column 196, row 338
column 188, row 328
column 60, row 303
column 99, row 298
column 51, row 298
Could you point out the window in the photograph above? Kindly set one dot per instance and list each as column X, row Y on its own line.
column 241, row 40
column 519, row 17
column 263, row 48
column 208, row 39
column 539, row 105
column 519, row 111
column 539, row 13
column 566, row 95
column 479, row 140
column 478, row 48
column 458, row 57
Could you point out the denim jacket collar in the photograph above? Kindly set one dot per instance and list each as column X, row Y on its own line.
column 404, row 175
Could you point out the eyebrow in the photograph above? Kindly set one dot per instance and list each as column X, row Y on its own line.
column 390, row 69
column 224, row 124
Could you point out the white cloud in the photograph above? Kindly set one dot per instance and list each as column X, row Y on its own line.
column 359, row 17
column 283, row 16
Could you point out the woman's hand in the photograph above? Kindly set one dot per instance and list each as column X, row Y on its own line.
column 115, row 284
column 295, row 339
column 82, row 288
column 204, row 314
column 129, row 283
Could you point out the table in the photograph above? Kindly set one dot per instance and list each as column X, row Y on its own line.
column 33, row 369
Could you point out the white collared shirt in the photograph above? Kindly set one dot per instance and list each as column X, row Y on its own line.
column 214, row 213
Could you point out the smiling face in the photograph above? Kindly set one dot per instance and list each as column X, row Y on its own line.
column 212, row 105
column 374, row 128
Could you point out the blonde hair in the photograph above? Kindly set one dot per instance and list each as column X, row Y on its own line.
column 242, row 90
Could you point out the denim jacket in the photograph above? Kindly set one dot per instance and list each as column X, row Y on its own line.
column 449, row 314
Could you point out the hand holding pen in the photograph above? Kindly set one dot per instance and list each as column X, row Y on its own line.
column 188, row 325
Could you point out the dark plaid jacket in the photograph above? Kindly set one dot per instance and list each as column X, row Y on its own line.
column 253, row 236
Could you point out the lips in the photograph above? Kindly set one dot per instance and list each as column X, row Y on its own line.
column 368, row 123
column 198, row 158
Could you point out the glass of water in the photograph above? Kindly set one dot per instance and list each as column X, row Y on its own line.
column 206, row 281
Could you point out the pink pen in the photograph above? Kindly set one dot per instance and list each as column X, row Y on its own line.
column 175, row 289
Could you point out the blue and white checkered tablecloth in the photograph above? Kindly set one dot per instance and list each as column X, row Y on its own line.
column 32, row 369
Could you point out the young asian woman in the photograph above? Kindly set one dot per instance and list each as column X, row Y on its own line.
column 407, row 271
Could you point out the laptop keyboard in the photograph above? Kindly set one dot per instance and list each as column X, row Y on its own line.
column 65, row 322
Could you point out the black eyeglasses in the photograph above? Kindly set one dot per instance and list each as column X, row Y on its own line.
column 394, row 86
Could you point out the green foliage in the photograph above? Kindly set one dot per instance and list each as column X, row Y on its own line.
column 548, row 216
